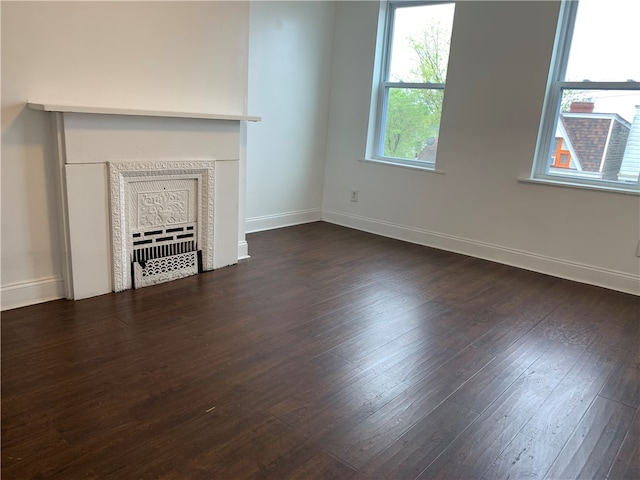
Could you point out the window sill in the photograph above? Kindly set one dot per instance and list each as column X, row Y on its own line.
column 583, row 186
column 423, row 168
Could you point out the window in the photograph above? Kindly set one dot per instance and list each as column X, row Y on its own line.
column 412, row 82
column 590, row 129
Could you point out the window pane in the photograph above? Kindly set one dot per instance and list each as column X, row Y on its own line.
column 412, row 123
column 420, row 44
column 606, row 43
column 597, row 136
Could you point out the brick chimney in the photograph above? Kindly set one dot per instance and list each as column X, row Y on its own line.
column 581, row 107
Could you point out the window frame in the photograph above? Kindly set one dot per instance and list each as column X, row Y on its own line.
column 384, row 85
column 552, row 102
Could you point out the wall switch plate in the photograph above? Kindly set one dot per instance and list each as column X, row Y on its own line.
column 354, row 195
column 638, row 249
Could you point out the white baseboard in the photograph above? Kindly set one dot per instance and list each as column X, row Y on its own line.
column 21, row 294
column 279, row 220
column 556, row 267
column 243, row 250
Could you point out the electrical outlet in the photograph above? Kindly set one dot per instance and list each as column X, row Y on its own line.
column 354, row 195
column 638, row 249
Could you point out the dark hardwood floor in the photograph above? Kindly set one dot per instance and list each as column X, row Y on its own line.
column 331, row 353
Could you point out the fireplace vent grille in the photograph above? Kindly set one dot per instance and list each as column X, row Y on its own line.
column 159, row 270
column 163, row 254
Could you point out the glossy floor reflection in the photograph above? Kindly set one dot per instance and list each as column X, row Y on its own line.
column 331, row 353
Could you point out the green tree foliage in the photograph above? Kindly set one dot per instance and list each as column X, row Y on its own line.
column 413, row 114
column 413, row 117
column 432, row 51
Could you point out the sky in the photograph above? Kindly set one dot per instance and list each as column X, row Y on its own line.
column 605, row 47
column 410, row 22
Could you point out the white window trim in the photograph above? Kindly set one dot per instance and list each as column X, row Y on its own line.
column 549, row 118
column 382, row 86
column 600, row 186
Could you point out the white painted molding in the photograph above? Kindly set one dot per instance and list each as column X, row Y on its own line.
column 21, row 294
column 53, row 107
column 243, row 250
column 279, row 220
column 124, row 173
column 556, row 267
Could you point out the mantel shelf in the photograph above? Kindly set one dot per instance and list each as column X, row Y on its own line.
column 49, row 107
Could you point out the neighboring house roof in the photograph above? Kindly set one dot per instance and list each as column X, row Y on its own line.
column 562, row 133
column 598, row 140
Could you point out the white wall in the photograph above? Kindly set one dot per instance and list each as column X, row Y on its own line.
column 500, row 55
column 289, row 84
column 310, row 73
column 184, row 56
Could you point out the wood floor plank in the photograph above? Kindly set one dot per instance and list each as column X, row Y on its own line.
column 559, row 415
column 591, row 450
column 627, row 463
column 523, row 457
column 306, row 461
column 418, row 352
column 330, row 353
column 418, row 447
column 534, row 449
column 373, row 305
column 350, row 406
column 478, row 446
column 493, row 380
column 359, row 444
column 623, row 385
column 379, row 335
column 510, row 328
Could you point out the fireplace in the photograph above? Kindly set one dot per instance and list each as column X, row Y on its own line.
column 162, row 217
column 146, row 196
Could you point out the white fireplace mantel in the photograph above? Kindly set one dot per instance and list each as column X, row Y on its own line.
column 53, row 107
column 89, row 138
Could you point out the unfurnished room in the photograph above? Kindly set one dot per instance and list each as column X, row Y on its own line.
column 262, row 239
